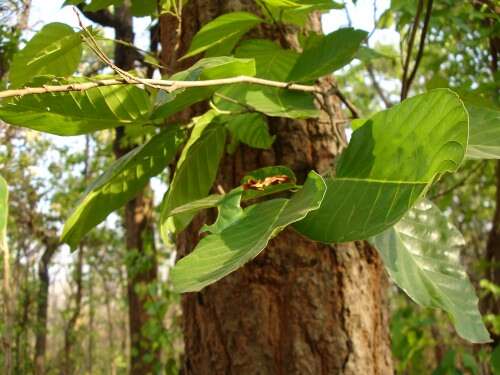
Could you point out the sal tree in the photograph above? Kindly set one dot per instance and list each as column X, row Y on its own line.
column 283, row 228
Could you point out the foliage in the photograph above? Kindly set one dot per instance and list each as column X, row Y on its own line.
column 375, row 190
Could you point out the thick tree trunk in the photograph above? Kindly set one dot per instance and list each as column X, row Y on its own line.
column 300, row 307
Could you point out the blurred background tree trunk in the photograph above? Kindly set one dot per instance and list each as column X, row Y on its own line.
column 300, row 307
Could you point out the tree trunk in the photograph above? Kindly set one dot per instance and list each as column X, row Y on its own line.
column 300, row 307
column 42, row 308
column 69, row 332
column 141, row 267
column 138, row 214
column 490, row 304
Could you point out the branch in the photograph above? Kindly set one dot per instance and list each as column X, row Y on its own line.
column 350, row 106
column 166, row 85
column 103, row 17
column 460, row 183
column 377, row 87
column 413, row 33
column 421, row 46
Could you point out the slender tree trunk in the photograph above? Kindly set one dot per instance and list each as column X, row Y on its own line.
column 42, row 307
column 7, row 308
column 138, row 224
column 69, row 332
column 490, row 304
column 300, row 307
column 138, row 214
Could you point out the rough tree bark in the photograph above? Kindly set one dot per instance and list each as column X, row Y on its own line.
column 300, row 307
column 50, row 244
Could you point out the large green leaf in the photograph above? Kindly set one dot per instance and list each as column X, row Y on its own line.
column 125, row 178
column 389, row 163
column 215, row 200
column 251, row 129
column 331, row 53
column 219, row 254
column 143, row 8
column 484, row 137
column 421, row 253
column 78, row 112
column 96, row 5
column 223, row 31
column 269, row 101
column 55, row 50
column 4, row 211
column 204, row 69
column 195, row 172
column 297, row 15
column 272, row 62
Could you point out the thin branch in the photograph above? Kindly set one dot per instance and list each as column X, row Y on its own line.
column 411, row 41
column 350, row 106
column 377, row 87
column 92, row 43
column 479, row 168
column 167, row 85
column 421, row 46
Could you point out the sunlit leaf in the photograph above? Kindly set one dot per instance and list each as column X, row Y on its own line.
column 270, row 101
column 390, row 162
column 251, row 129
column 121, row 182
column 334, row 51
column 484, row 137
column 224, row 30
column 421, row 253
column 204, row 69
column 195, row 172
column 219, row 254
column 78, row 112
column 271, row 61
column 55, row 50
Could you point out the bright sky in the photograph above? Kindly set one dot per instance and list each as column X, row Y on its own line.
column 47, row 11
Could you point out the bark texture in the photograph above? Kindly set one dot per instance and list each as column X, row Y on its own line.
column 300, row 307
column 43, row 305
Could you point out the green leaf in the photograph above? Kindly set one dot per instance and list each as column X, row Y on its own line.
column 55, row 50
column 205, row 69
column 215, row 200
column 272, row 62
column 281, row 3
column 272, row 102
column 229, row 212
column 121, row 182
column 299, row 15
column 96, row 5
column 484, row 137
column 195, row 172
column 251, row 129
column 421, row 253
column 143, row 8
column 78, row 112
column 225, row 30
column 389, row 163
column 495, row 360
column 217, row 255
column 4, row 211
column 332, row 53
